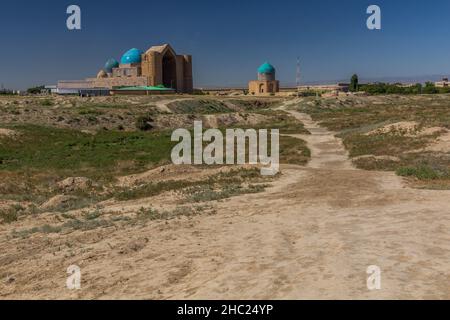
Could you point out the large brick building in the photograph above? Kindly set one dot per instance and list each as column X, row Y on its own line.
column 159, row 67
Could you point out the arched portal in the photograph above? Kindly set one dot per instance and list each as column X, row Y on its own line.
column 261, row 88
column 169, row 70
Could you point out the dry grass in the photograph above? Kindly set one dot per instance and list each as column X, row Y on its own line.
column 354, row 118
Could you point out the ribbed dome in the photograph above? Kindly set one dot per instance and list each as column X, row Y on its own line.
column 111, row 64
column 266, row 68
column 131, row 56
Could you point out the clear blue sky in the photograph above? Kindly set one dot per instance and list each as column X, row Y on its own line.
column 228, row 39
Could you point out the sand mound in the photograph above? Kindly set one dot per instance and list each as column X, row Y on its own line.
column 407, row 128
column 442, row 144
column 173, row 172
column 403, row 126
column 75, row 184
column 8, row 133
column 59, row 201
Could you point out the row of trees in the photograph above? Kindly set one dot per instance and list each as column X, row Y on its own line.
column 395, row 88
column 6, row 92
column 35, row 90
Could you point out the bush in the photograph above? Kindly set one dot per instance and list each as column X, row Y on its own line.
column 396, row 88
column 143, row 123
column 47, row 103
column 35, row 90
column 11, row 215
column 421, row 172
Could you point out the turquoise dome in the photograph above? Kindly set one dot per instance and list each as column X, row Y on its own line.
column 266, row 68
column 131, row 56
column 110, row 65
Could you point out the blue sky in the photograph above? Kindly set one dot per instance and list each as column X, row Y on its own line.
column 228, row 39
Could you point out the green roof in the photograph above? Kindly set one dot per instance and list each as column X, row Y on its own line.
column 144, row 88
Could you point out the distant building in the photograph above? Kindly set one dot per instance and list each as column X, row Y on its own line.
column 333, row 88
column 158, row 67
column 50, row 89
column 266, row 83
column 442, row 84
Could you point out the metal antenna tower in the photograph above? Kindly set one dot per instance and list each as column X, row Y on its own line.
column 297, row 81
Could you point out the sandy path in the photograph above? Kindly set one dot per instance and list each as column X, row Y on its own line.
column 314, row 234
column 310, row 236
column 327, row 150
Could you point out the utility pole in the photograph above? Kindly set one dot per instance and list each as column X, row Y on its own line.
column 297, row 81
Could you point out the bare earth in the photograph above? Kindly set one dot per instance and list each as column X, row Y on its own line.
column 312, row 235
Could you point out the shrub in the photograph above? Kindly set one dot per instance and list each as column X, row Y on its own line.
column 9, row 216
column 421, row 172
column 47, row 103
column 143, row 123
column 151, row 214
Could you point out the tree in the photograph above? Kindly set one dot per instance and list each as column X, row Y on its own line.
column 354, row 83
column 417, row 89
column 35, row 90
column 430, row 88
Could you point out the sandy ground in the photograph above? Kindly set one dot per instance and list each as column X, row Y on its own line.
column 312, row 235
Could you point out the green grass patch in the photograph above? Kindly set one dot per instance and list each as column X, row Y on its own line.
column 90, row 111
column 381, row 144
column 281, row 120
column 46, row 103
column 45, row 148
column 294, row 151
column 423, row 172
column 199, row 106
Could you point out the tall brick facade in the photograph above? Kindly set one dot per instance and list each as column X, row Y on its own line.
column 162, row 66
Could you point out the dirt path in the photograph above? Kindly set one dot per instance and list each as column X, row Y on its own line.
column 313, row 235
column 310, row 236
column 162, row 105
column 327, row 151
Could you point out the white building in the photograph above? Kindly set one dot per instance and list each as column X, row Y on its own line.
column 442, row 84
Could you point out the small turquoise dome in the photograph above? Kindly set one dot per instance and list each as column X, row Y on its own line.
column 266, row 68
column 131, row 56
column 111, row 64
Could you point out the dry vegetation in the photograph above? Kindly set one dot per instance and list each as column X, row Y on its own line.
column 90, row 182
column 72, row 167
column 69, row 154
column 406, row 134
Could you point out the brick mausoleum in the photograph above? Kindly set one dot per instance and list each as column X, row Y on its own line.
column 157, row 69
column 266, row 83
